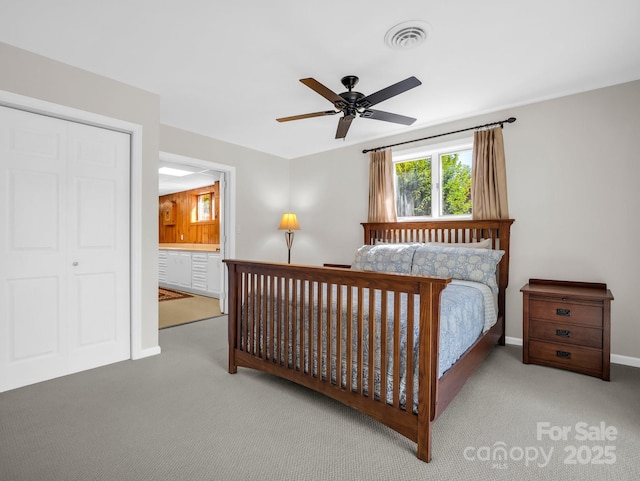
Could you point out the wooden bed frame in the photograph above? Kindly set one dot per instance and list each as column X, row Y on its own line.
column 268, row 303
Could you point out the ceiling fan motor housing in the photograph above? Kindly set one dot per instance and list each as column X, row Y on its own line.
column 351, row 97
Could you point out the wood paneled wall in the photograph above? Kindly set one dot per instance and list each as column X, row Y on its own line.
column 175, row 218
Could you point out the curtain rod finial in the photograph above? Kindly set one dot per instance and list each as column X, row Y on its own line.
column 511, row 120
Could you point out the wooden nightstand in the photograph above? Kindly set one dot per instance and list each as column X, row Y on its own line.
column 567, row 325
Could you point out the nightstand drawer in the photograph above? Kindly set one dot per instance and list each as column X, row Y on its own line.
column 560, row 311
column 565, row 333
column 569, row 357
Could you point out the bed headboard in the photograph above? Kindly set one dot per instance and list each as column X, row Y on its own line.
column 449, row 231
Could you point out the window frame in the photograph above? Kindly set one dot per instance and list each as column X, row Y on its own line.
column 195, row 205
column 434, row 151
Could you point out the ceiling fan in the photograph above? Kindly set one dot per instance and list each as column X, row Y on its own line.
column 352, row 103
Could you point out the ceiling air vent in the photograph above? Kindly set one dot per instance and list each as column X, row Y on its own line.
column 407, row 35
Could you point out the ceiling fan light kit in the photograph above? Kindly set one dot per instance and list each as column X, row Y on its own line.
column 353, row 104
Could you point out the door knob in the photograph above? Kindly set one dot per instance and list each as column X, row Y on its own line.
column 75, row 264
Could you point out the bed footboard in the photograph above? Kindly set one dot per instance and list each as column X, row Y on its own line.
column 339, row 332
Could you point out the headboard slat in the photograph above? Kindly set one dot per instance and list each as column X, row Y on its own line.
column 449, row 231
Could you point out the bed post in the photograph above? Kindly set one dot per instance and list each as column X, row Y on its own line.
column 428, row 364
column 233, row 314
column 504, row 234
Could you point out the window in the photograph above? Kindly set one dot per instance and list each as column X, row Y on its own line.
column 434, row 181
column 203, row 209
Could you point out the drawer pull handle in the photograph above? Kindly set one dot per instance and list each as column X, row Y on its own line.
column 563, row 312
column 563, row 332
column 563, row 354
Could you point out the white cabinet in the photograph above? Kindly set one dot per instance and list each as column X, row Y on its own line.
column 162, row 266
column 179, row 268
column 214, row 273
column 191, row 271
column 199, row 270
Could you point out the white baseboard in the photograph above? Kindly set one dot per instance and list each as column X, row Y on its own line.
column 615, row 358
column 625, row 360
column 150, row 351
column 514, row 341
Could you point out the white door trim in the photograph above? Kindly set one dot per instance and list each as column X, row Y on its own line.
column 10, row 99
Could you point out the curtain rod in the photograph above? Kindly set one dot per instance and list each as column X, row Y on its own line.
column 510, row 120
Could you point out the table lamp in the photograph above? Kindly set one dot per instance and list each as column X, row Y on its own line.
column 289, row 223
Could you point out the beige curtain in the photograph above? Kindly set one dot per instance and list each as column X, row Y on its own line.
column 382, row 199
column 489, row 176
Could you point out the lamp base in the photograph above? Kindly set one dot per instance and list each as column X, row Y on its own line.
column 288, row 236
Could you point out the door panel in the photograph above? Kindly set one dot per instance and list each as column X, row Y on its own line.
column 64, row 247
column 96, row 311
column 33, row 202
column 32, row 226
column 34, row 326
column 98, row 246
column 95, row 207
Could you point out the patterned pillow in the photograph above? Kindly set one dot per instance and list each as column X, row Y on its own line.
column 464, row 263
column 396, row 258
column 483, row 244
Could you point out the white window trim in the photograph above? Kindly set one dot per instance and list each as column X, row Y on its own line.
column 434, row 151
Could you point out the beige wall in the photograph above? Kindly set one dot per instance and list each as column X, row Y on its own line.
column 262, row 190
column 34, row 76
column 573, row 173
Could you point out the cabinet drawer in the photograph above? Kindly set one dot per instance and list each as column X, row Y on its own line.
column 199, row 257
column 563, row 311
column 566, row 333
column 200, row 268
column 566, row 356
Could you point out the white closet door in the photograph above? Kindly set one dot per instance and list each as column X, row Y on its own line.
column 64, row 247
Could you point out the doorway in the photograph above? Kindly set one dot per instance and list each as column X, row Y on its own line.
column 209, row 273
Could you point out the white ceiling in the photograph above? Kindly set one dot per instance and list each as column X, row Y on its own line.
column 168, row 184
column 228, row 69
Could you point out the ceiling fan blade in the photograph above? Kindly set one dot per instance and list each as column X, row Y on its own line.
column 307, row 116
column 387, row 93
column 326, row 92
column 387, row 117
column 343, row 126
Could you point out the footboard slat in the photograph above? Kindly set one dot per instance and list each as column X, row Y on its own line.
column 338, row 363
column 319, row 337
column 360, row 342
column 410, row 348
column 349, row 341
column 396, row 350
column 383, row 347
column 371, row 351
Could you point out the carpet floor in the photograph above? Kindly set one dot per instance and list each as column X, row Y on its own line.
column 176, row 312
column 180, row 416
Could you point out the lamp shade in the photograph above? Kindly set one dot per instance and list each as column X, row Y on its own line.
column 289, row 221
